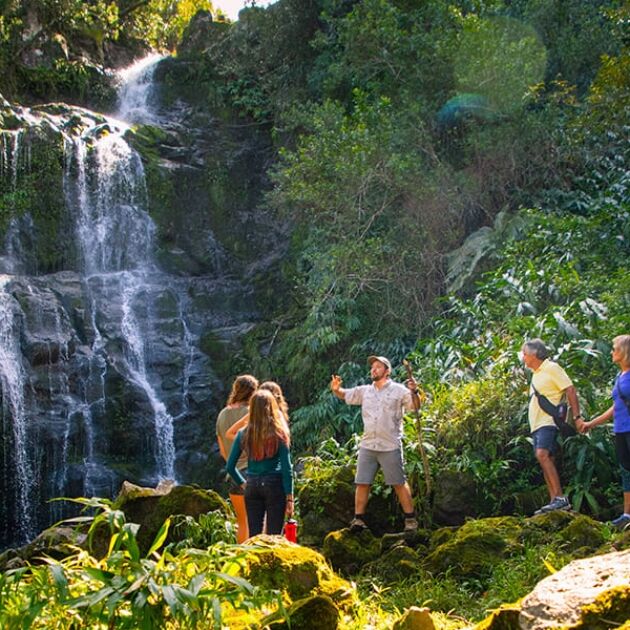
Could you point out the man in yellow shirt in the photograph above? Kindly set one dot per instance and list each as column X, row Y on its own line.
column 551, row 381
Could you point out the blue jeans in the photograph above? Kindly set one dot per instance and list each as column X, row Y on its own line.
column 264, row 494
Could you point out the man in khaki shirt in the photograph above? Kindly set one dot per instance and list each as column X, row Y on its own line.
column 382, row 406
column 551, row 381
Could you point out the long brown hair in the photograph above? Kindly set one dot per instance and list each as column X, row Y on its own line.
column 276, row 390
column 266, row 429
column 242, row 389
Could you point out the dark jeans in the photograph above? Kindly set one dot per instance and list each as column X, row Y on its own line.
column 264, row 494
column 622, row 447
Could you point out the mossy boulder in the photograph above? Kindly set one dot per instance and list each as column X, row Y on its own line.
column 311, row 613
column 476, row 547
column 396, row 564
column 298, row 572
column 348, row 552
column 590, row 593
column 503, row 618
column 150, row 510
column 539, row 529
column 55, row 542
column 610, row 608
column 415, row 618
column 583, row 536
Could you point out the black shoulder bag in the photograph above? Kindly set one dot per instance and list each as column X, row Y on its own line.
column 557, row 412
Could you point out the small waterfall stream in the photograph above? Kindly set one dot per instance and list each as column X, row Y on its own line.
column 13, row 381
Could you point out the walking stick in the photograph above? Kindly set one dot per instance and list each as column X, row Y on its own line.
column 425, row 461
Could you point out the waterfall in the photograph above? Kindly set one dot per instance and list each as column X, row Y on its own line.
column 14, row 418
column 136, row 91
column 115, row 234
column 101, row 373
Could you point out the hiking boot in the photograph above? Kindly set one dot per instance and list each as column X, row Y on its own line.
column 558, row 503
column 621, row 522
column 411, row 525
column 357, row 525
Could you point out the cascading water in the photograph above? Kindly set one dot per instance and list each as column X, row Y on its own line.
column 56, row 410
column 109, row 363
column 14, row 417
column 136, row 91
column 115, row 237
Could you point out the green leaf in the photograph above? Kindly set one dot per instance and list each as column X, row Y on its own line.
column 160, row 537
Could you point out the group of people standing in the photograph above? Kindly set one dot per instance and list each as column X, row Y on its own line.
column 552, row 382
column 255, row 441
column 254, row 437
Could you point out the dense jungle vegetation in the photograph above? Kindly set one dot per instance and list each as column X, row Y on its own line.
column 456, row 177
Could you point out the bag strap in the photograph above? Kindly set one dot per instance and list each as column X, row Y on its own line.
column 545, row 404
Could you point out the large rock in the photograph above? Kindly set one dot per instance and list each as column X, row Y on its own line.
column 475, row 548
column 348, row 552
column 591, row 593
column 415, row 618
column 298, row 572
column 150, row 508
column 454, row 498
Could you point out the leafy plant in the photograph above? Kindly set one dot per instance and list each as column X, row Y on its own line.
column 186, row 589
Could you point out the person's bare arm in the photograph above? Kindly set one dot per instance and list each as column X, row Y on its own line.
column 335, row 387
column 597, row 420
column 222, row 448
column 237, row 426
column 573, row 401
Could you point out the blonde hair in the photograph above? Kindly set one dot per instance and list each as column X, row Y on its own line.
column 266, row 429
column 276, row 390
column 242, row 389
column 623, row 347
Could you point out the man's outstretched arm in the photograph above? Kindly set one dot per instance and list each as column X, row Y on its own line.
column 335, row 387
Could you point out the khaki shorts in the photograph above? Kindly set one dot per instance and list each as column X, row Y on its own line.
column 390, row 461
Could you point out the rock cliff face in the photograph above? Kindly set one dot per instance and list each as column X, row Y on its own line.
column 129, row 260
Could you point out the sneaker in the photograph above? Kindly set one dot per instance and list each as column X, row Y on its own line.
column 621, row 522
column 411, row 525
column 558, row 503
column 357, row 525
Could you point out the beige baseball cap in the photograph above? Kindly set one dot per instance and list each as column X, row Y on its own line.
column 383, row 360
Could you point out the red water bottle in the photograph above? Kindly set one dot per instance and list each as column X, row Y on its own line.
column 290, row 530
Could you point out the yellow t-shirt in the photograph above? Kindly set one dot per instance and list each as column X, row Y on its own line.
column 551, row 381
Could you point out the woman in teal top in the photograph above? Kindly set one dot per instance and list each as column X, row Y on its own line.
column 269, row 483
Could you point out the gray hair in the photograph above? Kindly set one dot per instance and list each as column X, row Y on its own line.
column 536, row 347
column 623, row 346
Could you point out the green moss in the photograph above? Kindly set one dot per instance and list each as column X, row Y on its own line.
column 311, row 613
column 150, row 512
column 348, row 552
column 476, row 547
column 583, row 536
column 611, row 607
column 296, row 571
column 441, row 536
column 398, row 563
column 538, row 529
column 503, row 618
column 38, row 192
